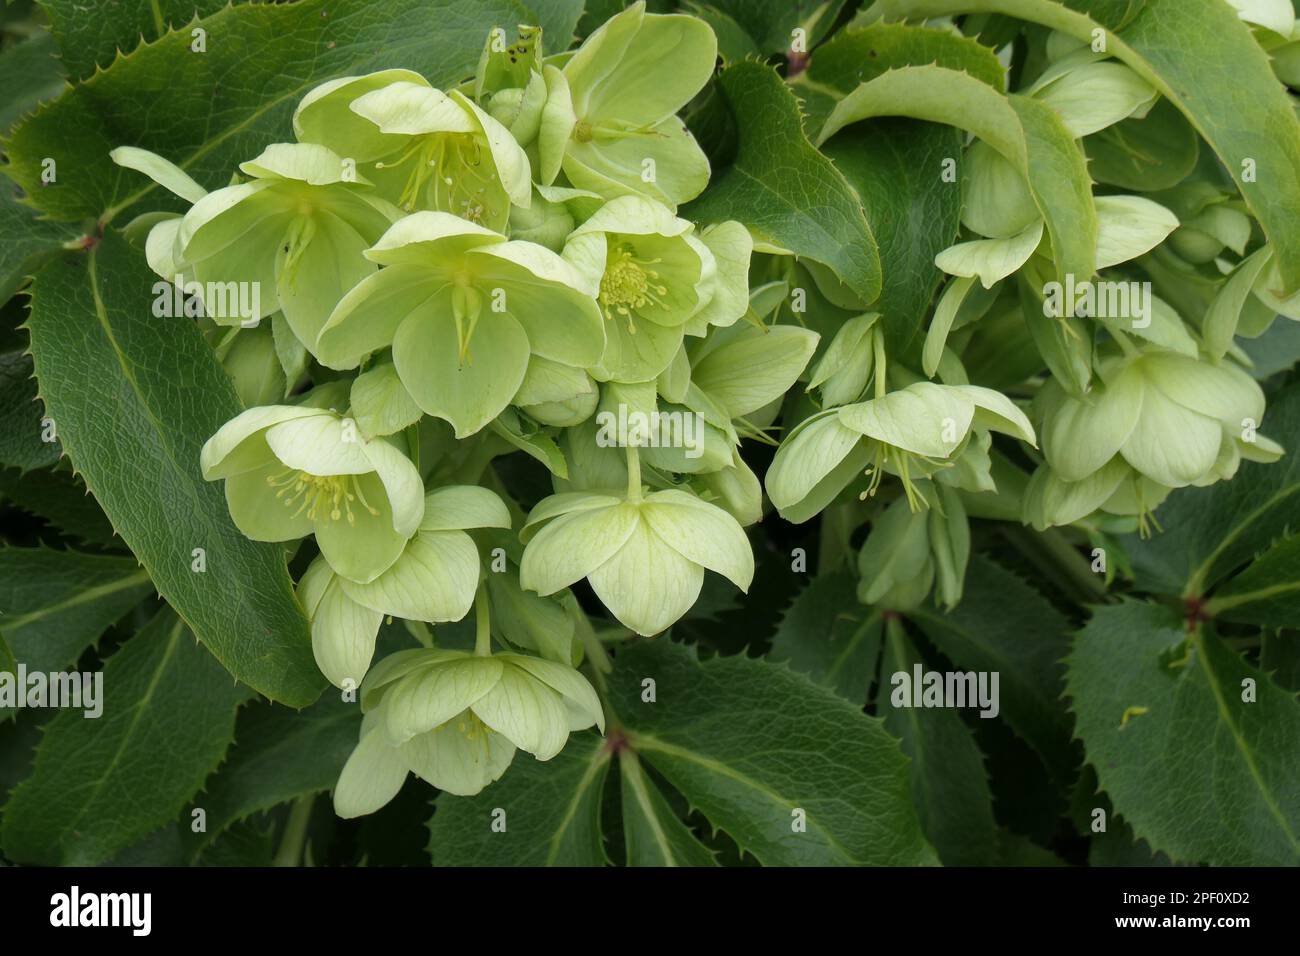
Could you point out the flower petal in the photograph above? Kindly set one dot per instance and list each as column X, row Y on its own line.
column 225, row 453
column 430, row 698
column 526, row 712
column 368, row 316
column 456, row 507
column 402, row 483
column 324, row 115
column 815, row 463
column 566, row 681
column 1171, row 444
column 447, row 758
column 646, row 584
column 573, row 545
column 701, row 532
column 365, row 547
column 434, row 580
column 546, row 295
column 320, row 445
column 343, row 636
column 256, row 510
column 925, row 418
column 372, row 775
column 426, row 352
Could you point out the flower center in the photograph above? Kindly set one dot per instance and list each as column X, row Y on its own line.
column 323, row 497
column 629, row 284
column 876, row 471
column 471, row 727
column 450, row 168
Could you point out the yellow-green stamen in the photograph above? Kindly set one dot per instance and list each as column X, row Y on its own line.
column 322, row 497
column 629, row 284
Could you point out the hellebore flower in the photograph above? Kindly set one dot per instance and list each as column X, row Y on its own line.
column 906, row 550
column 912, row 432
column 293, row 470
column 433, row 580
column 463, row 309
column 610, row 117
column 1173, row 418
column 655, row 281
column 455, row 719
column 295, row 234
column 424, row 149
column 645, row 557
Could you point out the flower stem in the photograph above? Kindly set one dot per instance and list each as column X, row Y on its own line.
column 482, row 623
column 295, row 832
column 633, row 473
column 878, row 346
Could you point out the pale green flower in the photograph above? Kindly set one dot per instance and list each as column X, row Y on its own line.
column 293, row 470
column 1091, row 94
column 556, row 394
column 434, row 579
column 656, row 280
column 610, row 117
column 845, row 368
column 423, row 149
column 295, row 234
column 463, row 309
column 908, row 551
column 1174, row 419
column 455, row 719
column 645, row 557
column 912, row 432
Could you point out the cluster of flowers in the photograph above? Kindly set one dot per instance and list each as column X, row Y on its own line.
column 448, row 276
column 1138, row 401
column 452, row 275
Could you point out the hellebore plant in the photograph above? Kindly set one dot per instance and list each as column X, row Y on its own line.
column 540, row 422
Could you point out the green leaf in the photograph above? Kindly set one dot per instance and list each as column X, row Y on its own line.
column 279, row 754
column 1028, row 134
column 653, row 834
column 750, row 744
column 29, row 73
column 1149, row 154
column 55, row 604
column 1211, row 531
column 99, row 785
column 815, row 213
column 949, row 783
column 858, row 54
column 1279, row 655
column 89, row 38
column 1198, row 772
column 896, row 166
column 558, row 20
column 7, row 661
column 135, row 437
column 828, row 635
column 1002, row 624
column 1267, row 592
column 552, row 813
column 1200, row 55
column 61, row 498
column 25, row 241
column 771, row 23
column 20, row 416
column 209, row 111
